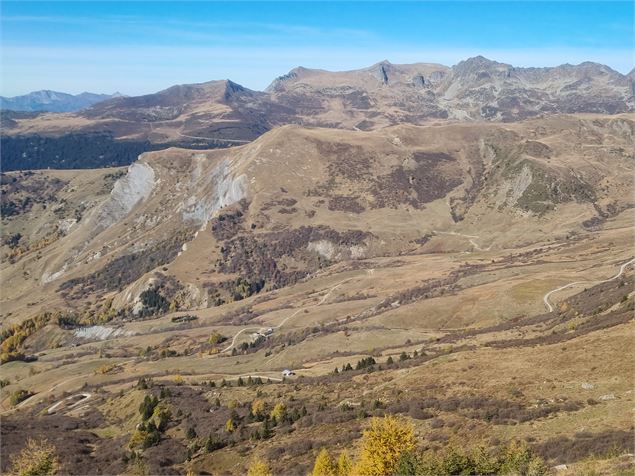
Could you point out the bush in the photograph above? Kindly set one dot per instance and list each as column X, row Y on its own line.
column 19, row 396
column 516, row 458
column 146, row 408
column 38, row 458
column 216, row 338
column 259, row 467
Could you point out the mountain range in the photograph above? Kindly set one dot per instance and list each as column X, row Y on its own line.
column 383, row 94
column 53, row 101
column 223, row 113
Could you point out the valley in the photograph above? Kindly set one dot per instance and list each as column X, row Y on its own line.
column 473, row 278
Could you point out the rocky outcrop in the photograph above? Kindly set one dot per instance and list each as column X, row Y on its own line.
column 129, row 190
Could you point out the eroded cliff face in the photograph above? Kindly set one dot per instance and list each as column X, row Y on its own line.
column 223, row 187
column 132, row 188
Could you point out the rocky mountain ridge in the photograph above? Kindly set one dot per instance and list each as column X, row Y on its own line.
column 476, row 89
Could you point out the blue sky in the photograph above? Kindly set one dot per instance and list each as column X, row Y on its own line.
column 142, row 47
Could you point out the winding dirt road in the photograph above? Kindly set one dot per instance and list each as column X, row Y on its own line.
column 285, row 320
column 546, row 296
column 233, row 141
column 470, row 238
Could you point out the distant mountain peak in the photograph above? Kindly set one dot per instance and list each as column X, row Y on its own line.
column 52, row 101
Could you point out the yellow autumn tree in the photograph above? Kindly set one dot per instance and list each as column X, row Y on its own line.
column 229, row 426
column 259, row 467
column 37, row 458
column 278, row 412
column 382, row 445
column 344, row 464
column 257, row 407
column 323, row 464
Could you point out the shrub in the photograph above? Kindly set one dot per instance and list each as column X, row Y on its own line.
column 216, row 338
column 516, row 458
column 19, row 396
column 259, row 467
column 37, row 458
column 213, row 443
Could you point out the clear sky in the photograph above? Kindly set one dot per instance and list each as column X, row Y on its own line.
column 139, row 48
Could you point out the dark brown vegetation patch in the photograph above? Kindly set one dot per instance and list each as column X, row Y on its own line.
column 496, row 411
column 345, row 204
column 431, row 178
column 79, row 450
column 563, row 449
column 126, row 269
column 228, row 224
column 20, row 191
column 256, row 257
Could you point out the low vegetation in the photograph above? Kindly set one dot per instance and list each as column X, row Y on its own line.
column 38, row 458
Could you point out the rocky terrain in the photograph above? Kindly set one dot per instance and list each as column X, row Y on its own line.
column 472, row 277
column 223, row 113
column 474, row 89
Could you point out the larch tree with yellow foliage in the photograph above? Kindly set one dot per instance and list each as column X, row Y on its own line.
column 259, row 467
column 257, row 407
column 344, row 464
column 382, row 445
column 278, row 413
column 324, row 465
